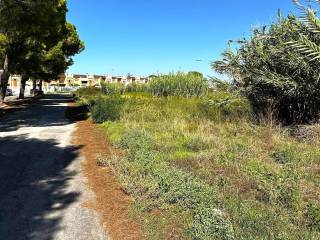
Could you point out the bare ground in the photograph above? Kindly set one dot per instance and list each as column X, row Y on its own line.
column 110, row 201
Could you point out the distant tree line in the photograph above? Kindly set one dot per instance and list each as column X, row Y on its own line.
column 36, row 41
column 278, row 67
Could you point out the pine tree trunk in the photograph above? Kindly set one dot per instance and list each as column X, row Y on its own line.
column 34, row 86
column 40, row 86
column 24, row 80
column 4, row 79
column 3, row 89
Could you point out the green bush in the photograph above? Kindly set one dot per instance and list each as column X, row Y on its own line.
column 225, row 106
column 179, row 84
column 106, row 109
column 277, row 80
column 210, row 223
column 88, row 91
column 134, row 140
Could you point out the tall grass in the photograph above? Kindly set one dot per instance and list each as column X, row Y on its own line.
column 113, row 88
column 174, row 84
column 120, row 88
column 179, row 84
column 87, row 92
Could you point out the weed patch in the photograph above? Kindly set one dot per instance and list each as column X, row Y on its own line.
column 198, row 168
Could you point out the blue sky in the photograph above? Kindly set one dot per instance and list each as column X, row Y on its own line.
column 144, row 37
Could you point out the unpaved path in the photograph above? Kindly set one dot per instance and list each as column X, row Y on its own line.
column 42, row 190
column 111, row 201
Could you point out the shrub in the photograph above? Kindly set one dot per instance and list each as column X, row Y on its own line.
column 225, row 106
column 210, row 223
column 106, row 109
column 134, row 140
column 179, row 84
column 88, row 91
column 276, row 80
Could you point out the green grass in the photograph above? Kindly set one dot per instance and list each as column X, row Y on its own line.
column 200, row 169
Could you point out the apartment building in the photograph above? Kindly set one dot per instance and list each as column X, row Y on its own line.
column 87, row 80
column 68, row 81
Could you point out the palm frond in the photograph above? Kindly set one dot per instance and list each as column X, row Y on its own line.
column 306, row 47
column 311, row 21
column 308, row 27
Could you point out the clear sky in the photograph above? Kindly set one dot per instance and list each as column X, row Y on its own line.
column 144, row 37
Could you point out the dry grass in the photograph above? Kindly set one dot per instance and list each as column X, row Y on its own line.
column 262, row 168
column 256, row 170
column 110, row 200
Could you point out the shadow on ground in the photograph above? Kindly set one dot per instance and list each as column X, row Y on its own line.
column 35, row 174
column 34, row 179
column 45, row 112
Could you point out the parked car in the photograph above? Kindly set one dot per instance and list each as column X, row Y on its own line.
column 36, row 92
column 9, row 92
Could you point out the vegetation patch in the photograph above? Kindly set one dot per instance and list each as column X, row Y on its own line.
column 200, row 174
column 179, row 84
column 145, row 174
column 106, row 109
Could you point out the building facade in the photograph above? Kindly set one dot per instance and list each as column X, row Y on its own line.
column 15, row 83
column 72, row 81
column 81, row 80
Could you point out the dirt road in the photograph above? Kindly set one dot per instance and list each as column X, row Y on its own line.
column 42, row 189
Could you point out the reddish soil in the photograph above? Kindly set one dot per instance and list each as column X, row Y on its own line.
column 110, row 201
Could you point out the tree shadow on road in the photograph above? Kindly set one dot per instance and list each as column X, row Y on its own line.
column 34, row 180
column 46, row 112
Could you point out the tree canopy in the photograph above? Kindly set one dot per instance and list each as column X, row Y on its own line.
column 35, row 39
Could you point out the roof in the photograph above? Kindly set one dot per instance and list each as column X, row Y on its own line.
column 79, row 76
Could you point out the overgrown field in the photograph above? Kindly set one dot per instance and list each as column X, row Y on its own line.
column 200, row 168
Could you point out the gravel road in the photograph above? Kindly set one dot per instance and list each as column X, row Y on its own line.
column 42, row 189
